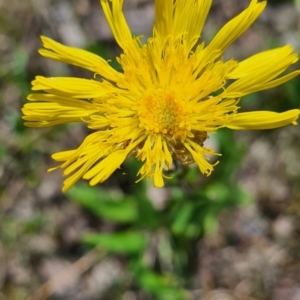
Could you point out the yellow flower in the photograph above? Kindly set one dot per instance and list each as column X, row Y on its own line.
column 172, row 92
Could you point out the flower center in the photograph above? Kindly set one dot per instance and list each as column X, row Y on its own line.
column 160, row 112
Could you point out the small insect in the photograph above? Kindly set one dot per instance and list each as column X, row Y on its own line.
column 180, row 153
column 126, row 144
column 123, row 145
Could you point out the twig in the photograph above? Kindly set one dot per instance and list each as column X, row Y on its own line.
column 67, row 275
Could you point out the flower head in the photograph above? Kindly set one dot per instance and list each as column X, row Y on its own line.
column 172, row 92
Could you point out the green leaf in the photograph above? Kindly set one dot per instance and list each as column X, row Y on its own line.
column 18, row 68
column 3, row 152
column 192, row 174
column 162, row 286
column 182, row 218
column 218, row 192
column 19, row 61
column 122, row 242
column 211, row 222
column 105, row 204
column 227, row 194
column 148, row 217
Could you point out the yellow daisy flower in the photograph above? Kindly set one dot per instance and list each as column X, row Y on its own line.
column 172, row 92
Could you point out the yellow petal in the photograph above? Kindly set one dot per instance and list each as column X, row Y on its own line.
column 199, row 156
column 276, row 82
column 48, row 109
column 254, row 63
column 263, row 120
column 78, row 57
column 102, row 170
column 256, row 73
column 180, row 19
column 75, row 87
column 236, row 27
column 163, row 19
column 116, row 21
column 158, row 178
column 189, row 19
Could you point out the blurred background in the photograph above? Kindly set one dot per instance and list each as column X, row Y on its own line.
column 234, row 235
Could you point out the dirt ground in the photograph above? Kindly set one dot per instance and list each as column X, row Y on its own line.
column 255, row 253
